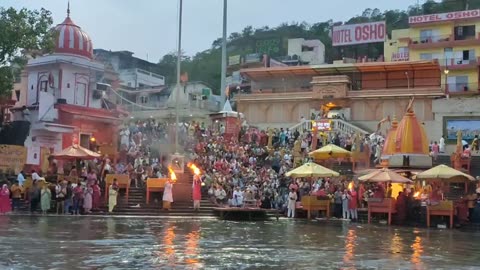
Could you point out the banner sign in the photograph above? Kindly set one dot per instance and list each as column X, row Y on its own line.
column 234, row 60
column 322, row 125
column 400, row 56
column 12, row 157
column 441, row 17
column 350, row 34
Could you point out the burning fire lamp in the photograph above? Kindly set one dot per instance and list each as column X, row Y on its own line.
column 196, row 172
column 350, row 185
column 173, row 176
column 416, row 195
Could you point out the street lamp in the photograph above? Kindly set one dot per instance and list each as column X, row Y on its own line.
column 408, row 79
column 446, row 71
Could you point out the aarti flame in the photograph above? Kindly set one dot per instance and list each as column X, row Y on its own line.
column 194, row 168
column 173, row 176
column 350, row 185
column 417, row 194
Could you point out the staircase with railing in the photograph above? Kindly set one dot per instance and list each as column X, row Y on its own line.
column 338, row 125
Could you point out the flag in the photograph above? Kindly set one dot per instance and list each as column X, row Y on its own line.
column 227, row 91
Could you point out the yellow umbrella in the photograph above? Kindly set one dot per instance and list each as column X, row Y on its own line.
column 330, row 151
column 442, row 172
column 311, row 170
column 384, row 175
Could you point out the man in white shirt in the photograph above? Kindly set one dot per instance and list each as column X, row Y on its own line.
column 21, row 179
column 35, row 176
column 442, row 145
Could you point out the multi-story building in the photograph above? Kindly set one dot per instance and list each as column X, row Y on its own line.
column 197, row 101
column 453, row 39
column 132, row 71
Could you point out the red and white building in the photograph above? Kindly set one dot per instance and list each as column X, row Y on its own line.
column 65, row 100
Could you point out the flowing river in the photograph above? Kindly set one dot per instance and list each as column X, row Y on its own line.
column 137, row 243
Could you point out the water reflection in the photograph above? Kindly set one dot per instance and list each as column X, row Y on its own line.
column 417, row 253
column 169, row 247
column 350, row 249
column 96, row 243
column 192, row 243
column 397, row 244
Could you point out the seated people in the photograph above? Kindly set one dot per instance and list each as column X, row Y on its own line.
column 237, row 198
column 220, row 195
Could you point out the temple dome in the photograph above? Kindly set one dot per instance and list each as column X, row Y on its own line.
column 390, row 145
column 71, row 39
column 410, row 137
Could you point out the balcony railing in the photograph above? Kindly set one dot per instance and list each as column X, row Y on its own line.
column 462, row 88
column 161, row 105
column 442, row 40
column 457, row 61
column 338, row 125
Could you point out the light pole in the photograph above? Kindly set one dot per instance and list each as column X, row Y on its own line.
column 179, row 61
column 223, row 84
column 447, row 92
column 408, row 79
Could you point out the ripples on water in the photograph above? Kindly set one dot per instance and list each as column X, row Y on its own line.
column 130, row 243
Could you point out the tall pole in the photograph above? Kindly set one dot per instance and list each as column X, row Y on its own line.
column 223, row 84
column 178, row 88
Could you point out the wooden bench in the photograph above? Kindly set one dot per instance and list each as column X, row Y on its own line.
column 155, row 185
column 312, row 203
column 250, row 204
column 123, row 181
column 383, row 206
column 444, row 208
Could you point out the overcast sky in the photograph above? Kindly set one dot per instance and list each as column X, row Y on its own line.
column 149, row 27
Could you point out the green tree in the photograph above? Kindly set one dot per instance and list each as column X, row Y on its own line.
column 21, row 31
column 205, row 66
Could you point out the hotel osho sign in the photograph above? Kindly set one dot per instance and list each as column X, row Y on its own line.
column 350, row 34
column 457, row 15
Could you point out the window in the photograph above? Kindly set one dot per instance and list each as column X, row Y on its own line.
column 457, row 83
column 464, row 32
column 426, row 56
column 43, row 86
column 403, row 50
column 307, row 49
column 143, row 99
column 80, row 94
column 85, row 141
column 468, row 55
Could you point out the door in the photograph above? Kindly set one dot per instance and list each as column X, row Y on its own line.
column 80, row 94
column 85, row 140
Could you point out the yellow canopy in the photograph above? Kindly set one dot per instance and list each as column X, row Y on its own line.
column 442, row 172
column 311, row 170
column 384, row 175
column 330, row 151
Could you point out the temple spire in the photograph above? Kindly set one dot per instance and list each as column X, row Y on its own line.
column 68, row 9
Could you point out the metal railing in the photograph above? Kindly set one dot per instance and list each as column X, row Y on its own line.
column 159, row 105
column 462, row 87
column 457, row 61
column 339, row 125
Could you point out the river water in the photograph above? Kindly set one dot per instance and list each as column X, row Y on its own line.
column 137, row 243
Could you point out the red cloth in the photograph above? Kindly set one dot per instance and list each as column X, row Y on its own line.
column 353, row 203
column 96, row 197
column 197, row 189
column 361, row 190
column 5, row 205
